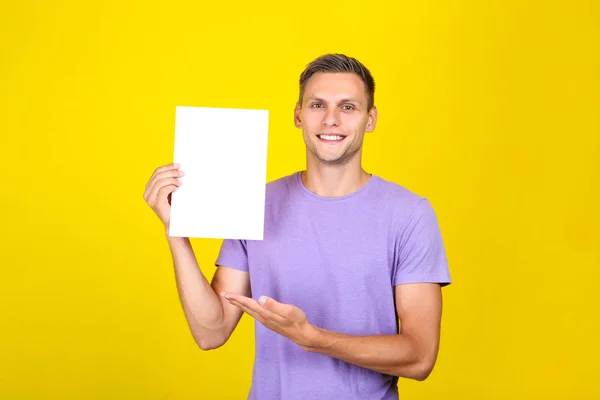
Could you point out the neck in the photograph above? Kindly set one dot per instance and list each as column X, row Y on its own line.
column 334, row 180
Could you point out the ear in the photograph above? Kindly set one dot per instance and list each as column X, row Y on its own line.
column 297, row 120
column 372, row 121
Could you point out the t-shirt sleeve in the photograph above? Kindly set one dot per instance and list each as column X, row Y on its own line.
column 420, row 253
column 233, row 254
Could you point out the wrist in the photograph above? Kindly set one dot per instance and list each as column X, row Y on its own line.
column 176, row 241
column 311, row 338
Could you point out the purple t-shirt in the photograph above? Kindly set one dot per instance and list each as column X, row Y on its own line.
column 338, row 259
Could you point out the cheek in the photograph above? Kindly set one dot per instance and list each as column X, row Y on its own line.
column 310, row 122
column 358, row 125
column 352, row 125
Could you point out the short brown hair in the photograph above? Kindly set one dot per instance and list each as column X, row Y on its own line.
column 334, row 63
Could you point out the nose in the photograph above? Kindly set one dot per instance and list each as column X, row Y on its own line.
column 331, row 117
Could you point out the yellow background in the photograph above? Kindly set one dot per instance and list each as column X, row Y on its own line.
column 490, row 109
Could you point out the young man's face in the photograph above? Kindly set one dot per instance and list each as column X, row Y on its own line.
column 334, row 116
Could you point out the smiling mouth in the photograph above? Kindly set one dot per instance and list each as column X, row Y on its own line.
column 331, row 138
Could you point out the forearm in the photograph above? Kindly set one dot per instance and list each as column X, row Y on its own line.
column 397, row 355
column 202, row 307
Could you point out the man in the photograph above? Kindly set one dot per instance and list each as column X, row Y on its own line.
column 346, row 255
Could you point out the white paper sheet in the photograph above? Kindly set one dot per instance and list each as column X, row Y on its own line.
column 223, row 153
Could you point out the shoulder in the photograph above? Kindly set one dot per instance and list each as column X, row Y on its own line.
column 280, row 188
column 401, row 203
column 396, row 195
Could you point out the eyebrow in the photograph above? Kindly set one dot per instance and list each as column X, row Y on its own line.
column 347, row 100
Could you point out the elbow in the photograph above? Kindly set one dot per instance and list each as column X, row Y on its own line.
column 207, row 343
column 417, row 369
column 422, row 370
column 422, row 374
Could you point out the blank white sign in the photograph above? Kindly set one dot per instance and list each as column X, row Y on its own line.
column 223, row 154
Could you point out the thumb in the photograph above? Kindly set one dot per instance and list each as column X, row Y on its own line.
column 264, row 299
column 269, row 303
column 273, row 305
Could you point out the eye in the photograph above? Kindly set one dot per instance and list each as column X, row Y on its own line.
column 348, row 107
column 316, row 105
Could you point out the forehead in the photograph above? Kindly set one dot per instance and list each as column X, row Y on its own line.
column 335, row 85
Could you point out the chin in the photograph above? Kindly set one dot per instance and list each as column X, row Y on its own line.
column 336, row 160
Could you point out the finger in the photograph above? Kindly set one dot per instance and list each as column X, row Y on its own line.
column 274, row 306
column 162, row 172
column 257, row 308
column 157, row 191
column 168, row 180
column 173, row 173
column 264, row 316
column 166, row 167
column 247, row 310
column 165, row 193
column 163, row 168
column 247, row 302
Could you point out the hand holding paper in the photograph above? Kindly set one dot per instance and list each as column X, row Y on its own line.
column 163, row 182
column 224, row 155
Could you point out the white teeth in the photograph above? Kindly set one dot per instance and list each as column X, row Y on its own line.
column 331, row 137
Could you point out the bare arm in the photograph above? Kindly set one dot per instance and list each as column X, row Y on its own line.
column 411, row 354
column 210, row 319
